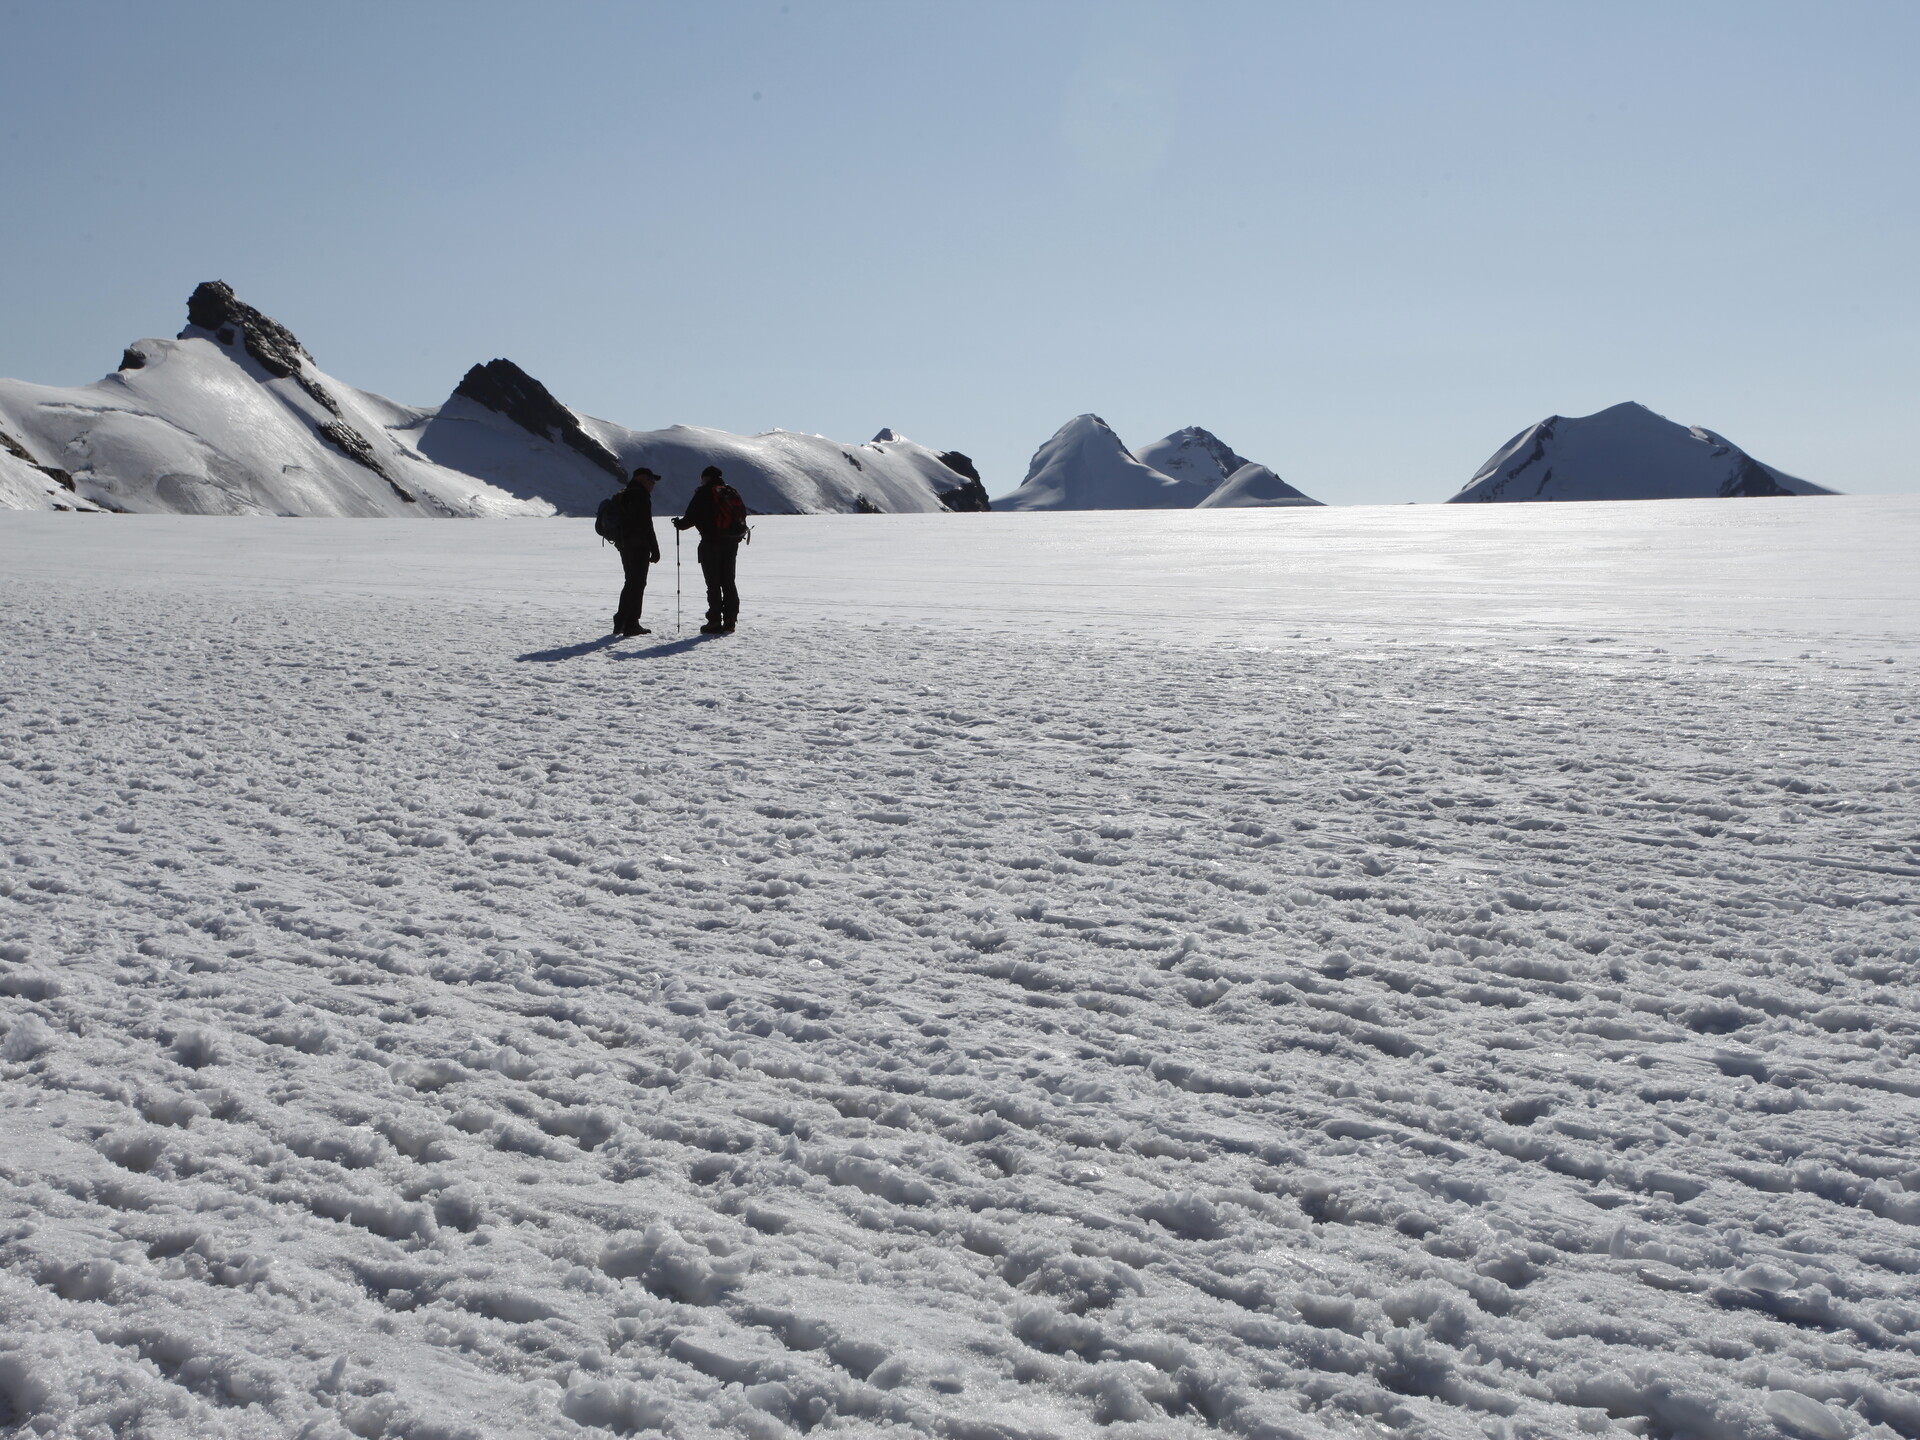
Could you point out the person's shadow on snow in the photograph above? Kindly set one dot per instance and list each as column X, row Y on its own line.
column 569, row 652
column 670, row 647
column 588, row 647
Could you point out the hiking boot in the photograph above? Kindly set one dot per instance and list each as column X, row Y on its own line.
column 636, row 630
column 713, row 627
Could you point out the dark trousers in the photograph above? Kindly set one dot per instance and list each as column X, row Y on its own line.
column 717, row 561
column 634, row 559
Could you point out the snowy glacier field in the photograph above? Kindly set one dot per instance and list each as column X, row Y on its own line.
column 1428, row 971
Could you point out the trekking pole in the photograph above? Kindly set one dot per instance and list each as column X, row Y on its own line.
column 676, row 584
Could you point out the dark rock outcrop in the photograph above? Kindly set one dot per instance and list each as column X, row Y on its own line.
column 352, row 444
column 132, row 359
column 214, row 308
column 971, row 496
column 1752, row 480
column 506, row 389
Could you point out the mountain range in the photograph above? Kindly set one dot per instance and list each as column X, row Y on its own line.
column 233, row 417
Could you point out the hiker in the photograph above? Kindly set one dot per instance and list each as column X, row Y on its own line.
column 626, row 519
column 720, row 515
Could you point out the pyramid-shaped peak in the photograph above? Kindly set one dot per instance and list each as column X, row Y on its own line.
column 1086, row 466
column 506, row 389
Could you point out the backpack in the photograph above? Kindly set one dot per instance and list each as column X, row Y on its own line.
column 614, row 519
column 730, row 515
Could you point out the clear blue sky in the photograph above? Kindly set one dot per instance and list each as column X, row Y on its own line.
column 1365, row 241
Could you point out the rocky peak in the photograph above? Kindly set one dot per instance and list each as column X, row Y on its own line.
column 214, row 309
column 504, row 388
column 970, row 496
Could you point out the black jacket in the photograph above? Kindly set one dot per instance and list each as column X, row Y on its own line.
column 631, row 510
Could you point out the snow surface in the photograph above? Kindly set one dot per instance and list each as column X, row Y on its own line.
column 1425, row 970
column 1625, row 452
column 1253, row 487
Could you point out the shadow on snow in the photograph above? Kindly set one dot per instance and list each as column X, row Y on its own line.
column 588, row 647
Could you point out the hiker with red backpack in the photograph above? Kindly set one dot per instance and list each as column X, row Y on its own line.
column 720, row 515
column 626, row 519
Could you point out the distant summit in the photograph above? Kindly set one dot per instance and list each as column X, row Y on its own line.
column 1194, row 455
column 1625, row 452
column 1086, row 466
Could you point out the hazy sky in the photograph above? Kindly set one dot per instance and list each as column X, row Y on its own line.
column 1363, row 242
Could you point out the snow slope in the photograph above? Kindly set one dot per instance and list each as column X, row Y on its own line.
column 417, row 1020
column 234, row 418
column 1253, row 487
column 1192, row 454
column 1625, row 452
column 25, row 485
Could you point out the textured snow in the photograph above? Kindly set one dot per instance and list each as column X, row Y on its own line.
column 1253, row 487
column 1430, row 970
column 1625, row 452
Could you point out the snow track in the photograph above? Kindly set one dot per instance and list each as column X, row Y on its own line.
column 417, row 1024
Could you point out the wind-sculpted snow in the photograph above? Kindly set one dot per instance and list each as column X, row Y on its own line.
column 418, row 1022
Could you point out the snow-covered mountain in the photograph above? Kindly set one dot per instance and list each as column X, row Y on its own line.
column 1625, row 452
column 1086, row 466
column 786, row 472
column 234, row 418
column 1192, row 454
column 1253, row 487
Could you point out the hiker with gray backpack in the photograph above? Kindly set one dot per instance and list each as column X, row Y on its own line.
column 625, row 519
column 720, row 515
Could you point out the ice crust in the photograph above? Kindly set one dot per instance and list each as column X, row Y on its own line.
column 418, row 1019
